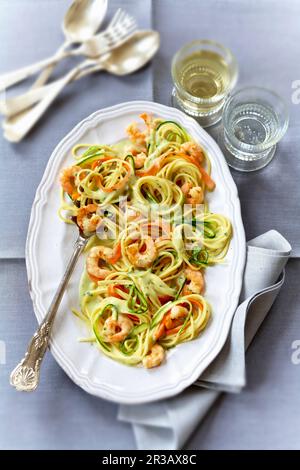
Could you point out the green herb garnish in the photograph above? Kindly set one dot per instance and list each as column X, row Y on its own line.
column 199, row 257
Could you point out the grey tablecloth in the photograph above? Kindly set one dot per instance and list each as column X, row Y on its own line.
column 264, row 35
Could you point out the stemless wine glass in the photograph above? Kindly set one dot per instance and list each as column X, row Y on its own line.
column 203, row 73
column 254, row 120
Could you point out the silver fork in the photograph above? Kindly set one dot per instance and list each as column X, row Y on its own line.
column 121, row 26
column 25, row 377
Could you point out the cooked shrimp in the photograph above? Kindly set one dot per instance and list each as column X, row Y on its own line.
column 148, row 120
column 141, row 253
column 139, row 160
column 155, row 357
column 87, row 219
column 93, row 264
column 193, row 150
column 117, row 330
column 67, row 180
column 110, row 255
column 102, row 253
column 195, row 282
column 177, row 313
column 136, row 135
column 195, row 195
column 186, row 187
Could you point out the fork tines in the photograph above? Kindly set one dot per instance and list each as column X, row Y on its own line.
column 121, row 20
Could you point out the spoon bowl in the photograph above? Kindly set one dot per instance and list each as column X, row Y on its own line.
column 133, row 55
column 83, row 18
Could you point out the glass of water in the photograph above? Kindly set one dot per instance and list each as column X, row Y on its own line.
column 254, row 120
column 203, row 73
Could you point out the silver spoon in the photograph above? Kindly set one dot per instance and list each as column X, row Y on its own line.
column 80, row 23
column 126, row 59
column 118, row 32
column 83, row 19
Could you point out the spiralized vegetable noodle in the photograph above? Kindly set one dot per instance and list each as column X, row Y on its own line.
column 143, row 204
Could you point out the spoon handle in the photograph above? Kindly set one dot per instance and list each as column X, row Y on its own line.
column 25, row 377
column 11, row 78
column 18, row 126
column 46, row 73
column 10, row 107
column 13, row 106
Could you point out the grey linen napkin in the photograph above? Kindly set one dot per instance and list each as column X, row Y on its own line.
column 167, row 424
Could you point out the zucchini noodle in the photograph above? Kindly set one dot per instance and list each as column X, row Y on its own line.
column 160, row 194
column 142, row 203
column 176, row 170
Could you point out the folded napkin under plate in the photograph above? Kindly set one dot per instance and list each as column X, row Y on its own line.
column 167, row 424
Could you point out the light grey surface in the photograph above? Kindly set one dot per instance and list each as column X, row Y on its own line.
column 264, row 34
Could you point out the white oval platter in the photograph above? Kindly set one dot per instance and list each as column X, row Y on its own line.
column 50, row 243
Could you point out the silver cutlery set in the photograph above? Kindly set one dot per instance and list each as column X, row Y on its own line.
column 110, row 50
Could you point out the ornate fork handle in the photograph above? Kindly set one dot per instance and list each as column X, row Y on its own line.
column 25, row 377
